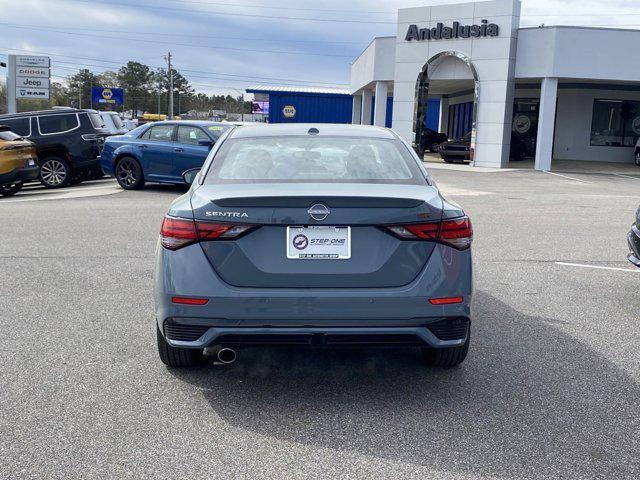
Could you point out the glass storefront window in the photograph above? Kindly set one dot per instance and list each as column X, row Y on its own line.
column 615, row 123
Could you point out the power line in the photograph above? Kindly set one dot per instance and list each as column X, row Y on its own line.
column 123, row 62
column 236, row 81
column 236, row 49
column 170, row 34
column 386, row 12
column 227, row 14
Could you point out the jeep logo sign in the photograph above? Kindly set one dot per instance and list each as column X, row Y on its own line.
column 32, row 82
column 485, row 29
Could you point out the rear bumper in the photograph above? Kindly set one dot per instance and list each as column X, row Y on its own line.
column 311, row 314
column 633, row 239
column 20, row 175
column 437, row 333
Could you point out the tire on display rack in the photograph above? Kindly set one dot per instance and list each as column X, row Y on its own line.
column 55, row 172
column 128, row 173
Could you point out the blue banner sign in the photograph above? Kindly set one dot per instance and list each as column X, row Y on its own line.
column 107, row 96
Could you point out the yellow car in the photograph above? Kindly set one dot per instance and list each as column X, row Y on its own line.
column 18, row 162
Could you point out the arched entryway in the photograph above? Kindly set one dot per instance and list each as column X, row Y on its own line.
column 451, row 77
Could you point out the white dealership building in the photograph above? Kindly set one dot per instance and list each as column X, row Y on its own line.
column 566, row 92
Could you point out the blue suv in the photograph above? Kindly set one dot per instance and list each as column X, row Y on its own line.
column 159, row 152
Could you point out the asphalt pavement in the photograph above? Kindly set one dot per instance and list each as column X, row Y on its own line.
column 550, row 389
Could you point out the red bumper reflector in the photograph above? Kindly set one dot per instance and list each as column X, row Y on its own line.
column 445, row 301
column 189, row 301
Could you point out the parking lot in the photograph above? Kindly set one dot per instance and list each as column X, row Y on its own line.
column 551, row 387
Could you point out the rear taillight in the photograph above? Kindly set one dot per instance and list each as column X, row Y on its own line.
column 176, row 233
column 457, row 233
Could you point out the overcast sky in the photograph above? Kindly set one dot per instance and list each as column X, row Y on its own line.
column 222, row 45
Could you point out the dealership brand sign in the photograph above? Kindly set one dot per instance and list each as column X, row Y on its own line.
column 27, row 77
column 40, row 72
column 34, row 82
column 440, row 32
column 41, row 93
column 32, row 61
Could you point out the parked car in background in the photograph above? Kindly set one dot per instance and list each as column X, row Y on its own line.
column 18, row 161
column 342, row 221
column 633, row 238
column 159, row 151
column 68, row 142
column 456, row 150
column 430, row 141
column 113, row 123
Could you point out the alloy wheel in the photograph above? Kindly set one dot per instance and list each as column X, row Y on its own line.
column 127, row 172
column 53, row 172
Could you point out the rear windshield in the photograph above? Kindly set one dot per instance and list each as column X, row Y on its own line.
column 96, row 120
column 117, row 121
column 298, row 159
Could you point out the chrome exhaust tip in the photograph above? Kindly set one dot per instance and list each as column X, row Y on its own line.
column 226, row 355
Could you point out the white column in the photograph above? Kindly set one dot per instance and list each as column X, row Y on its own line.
column 11, row 84
column 356, row 112
column 365, row 118
column 444, row 115
column 546, row 123
column 380, row 108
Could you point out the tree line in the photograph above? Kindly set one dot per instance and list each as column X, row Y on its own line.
column 145, row 90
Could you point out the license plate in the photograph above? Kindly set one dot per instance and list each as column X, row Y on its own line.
column 318, row 243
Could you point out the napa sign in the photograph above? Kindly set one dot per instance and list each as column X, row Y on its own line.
column 440, row 32
column 108, row 96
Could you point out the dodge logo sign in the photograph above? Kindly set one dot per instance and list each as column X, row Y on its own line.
column 318, row 212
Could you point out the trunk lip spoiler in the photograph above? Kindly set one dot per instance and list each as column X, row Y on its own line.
column 337, row 201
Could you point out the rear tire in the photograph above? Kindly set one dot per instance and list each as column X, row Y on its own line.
column 10, row 189
column 175, row 357
column 446, row 357
column 55, row 172
column 434, row 147
column 638, row 158
column 128, row 173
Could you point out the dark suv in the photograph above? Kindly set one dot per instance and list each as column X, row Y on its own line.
column 68, row 142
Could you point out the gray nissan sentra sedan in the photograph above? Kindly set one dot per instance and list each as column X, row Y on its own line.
column 315, row 235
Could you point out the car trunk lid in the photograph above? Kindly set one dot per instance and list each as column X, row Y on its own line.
column 259, row 259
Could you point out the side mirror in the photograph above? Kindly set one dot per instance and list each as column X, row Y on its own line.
column 205, row 143
column 190, row 175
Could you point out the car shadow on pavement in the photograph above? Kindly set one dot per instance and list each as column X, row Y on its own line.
column 529, row 402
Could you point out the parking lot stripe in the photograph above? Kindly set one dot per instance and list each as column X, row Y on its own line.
column 565, row 176
column 626, row 176
column 580, row 265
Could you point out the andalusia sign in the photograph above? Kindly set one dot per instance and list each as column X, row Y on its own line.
column 485, row 29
